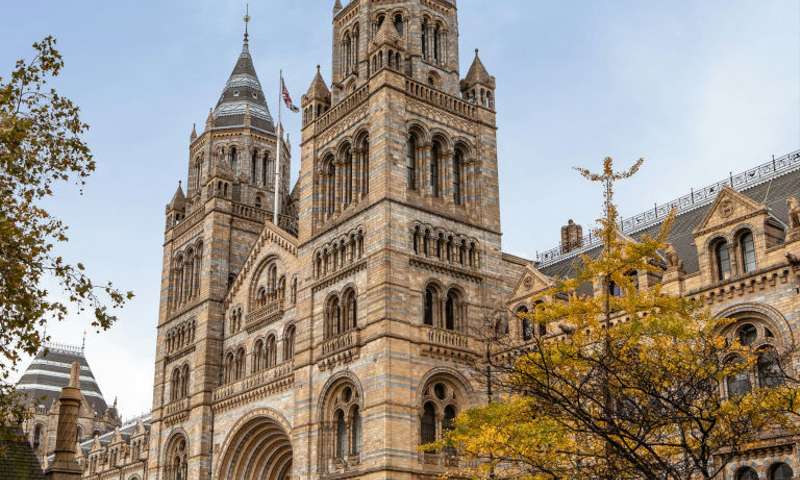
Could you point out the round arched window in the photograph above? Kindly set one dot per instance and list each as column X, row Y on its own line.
column 781, row 471
column 747, row 334
column 746, row 473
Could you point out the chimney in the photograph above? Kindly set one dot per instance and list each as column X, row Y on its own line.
column 571, row 237
column 64, row 466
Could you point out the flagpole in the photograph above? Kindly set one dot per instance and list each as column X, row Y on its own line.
column 275, row 205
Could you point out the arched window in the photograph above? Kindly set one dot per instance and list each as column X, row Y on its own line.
column 271, row 352
column 441, row 401
column 175, row 387
column 253, row 164
column 613, row 289
column 185, row 381
column 428, row 423
column 431, row 305
column 739, row 383
column 780, row 471
column 747, row 251
column 458, row 175
column 37, row 435
column 258, row 356
column 234, row 160
column 347, row 181
column 437, row 40
column 351, row 311
column 526, row 326
column 331, row 188
column 398, row 23
column 436, row 156
column 288, row 343
column 355, row 431
column 364, row 166
column 333, row 316
column 341, row 438
column 722, row 259
column 341, row 435
column 452, row 310
column 265, row 169
column 747, row 334
column 425, row 38
column 768, row 369
column 501, row 326
column 229, row 367
column 240, row 355
column 177, row 467
column 746, row 473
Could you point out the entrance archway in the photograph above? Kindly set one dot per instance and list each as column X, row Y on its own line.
column 259, row 450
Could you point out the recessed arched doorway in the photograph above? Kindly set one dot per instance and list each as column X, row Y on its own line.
column 259, row 450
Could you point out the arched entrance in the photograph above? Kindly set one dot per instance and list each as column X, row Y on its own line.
column 259, row 450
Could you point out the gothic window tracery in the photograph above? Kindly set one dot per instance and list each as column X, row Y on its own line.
column 441, row 401
column 342, row 426
column 768, row 371
column 177, row 467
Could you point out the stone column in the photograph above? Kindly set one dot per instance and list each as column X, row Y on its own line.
column 64, row 466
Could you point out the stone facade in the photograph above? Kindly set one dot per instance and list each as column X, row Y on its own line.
column 335, row 342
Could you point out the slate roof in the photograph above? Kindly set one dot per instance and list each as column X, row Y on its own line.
column 17, row 459
column 772, row 192
column 242, row 92
column 49, row 372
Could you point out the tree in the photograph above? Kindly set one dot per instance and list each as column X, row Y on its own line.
column 40, row 147
column 635, row 384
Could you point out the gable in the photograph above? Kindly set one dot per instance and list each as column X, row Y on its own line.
column 730, row 206
column 530, row 282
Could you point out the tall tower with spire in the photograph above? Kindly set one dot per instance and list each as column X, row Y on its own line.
column 211, row 225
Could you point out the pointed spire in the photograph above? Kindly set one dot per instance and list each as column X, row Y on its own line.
column 193, row 135
column 178, row 201
column 478, row 74
column 337, row 7
column 242, row 89
column 318, row 90
column 246, row 22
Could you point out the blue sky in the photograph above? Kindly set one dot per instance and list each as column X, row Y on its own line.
column 699, row 88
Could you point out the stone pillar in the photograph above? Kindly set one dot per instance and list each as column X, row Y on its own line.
column 64, row 466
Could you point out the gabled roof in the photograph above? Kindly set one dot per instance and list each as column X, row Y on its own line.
column 18, row 460
column 49, row 372
column 772, row 193
column 387, row 35
column 242, row 92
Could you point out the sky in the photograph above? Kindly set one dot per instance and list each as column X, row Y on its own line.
column 698, row 88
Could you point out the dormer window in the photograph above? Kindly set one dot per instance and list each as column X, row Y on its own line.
column 236, row 93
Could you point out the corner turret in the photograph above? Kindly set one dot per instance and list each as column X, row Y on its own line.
column 478, row 86
column 317, row 99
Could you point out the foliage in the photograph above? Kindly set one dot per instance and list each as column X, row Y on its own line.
column 630, row 385
column 40, row 147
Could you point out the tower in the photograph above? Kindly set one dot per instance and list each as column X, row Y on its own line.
column 210, row 229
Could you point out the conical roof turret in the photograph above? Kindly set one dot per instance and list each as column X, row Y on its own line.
column 318, row 90
column 242, row 90
column 337, row 6
column 478, row 75
column 178, row 201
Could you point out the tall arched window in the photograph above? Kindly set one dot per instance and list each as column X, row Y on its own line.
column 258, row 356
column 769, row 369
column 436, row 156
column 722, row 259
column 265, row 170
column 253, row 164
column 347, row 181
column 37, row 435
column 185, row 381
column 526, row 326
column 365, row 166
column 739, row 383
column 288, row 343
column 333, row 317
column 177, row 467
column 452, row 310
column 747, row 250
column 437, row 46
column 458, row 173
column 425, row 39
column 431, row 305
column 331, row 188
column 175, row 386
column 780, row 471
column 342, row 435
column 411, row 162
column 351, row 310
column 441, row 401
column 271, row 352
column 240, row 355
column 746, row 473
column 234, row 160
column 398, row 23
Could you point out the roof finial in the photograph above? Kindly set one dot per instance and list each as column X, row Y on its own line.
column 83, row 342
column 476, row 53
column 246, row 21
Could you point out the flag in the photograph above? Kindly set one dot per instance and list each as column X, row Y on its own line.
column 287, row 99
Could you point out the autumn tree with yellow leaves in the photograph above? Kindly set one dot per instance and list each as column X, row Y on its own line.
column 632, row 384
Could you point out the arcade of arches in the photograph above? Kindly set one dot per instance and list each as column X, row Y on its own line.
column 259, row 450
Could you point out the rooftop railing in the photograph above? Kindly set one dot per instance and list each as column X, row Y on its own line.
column 696, row 198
